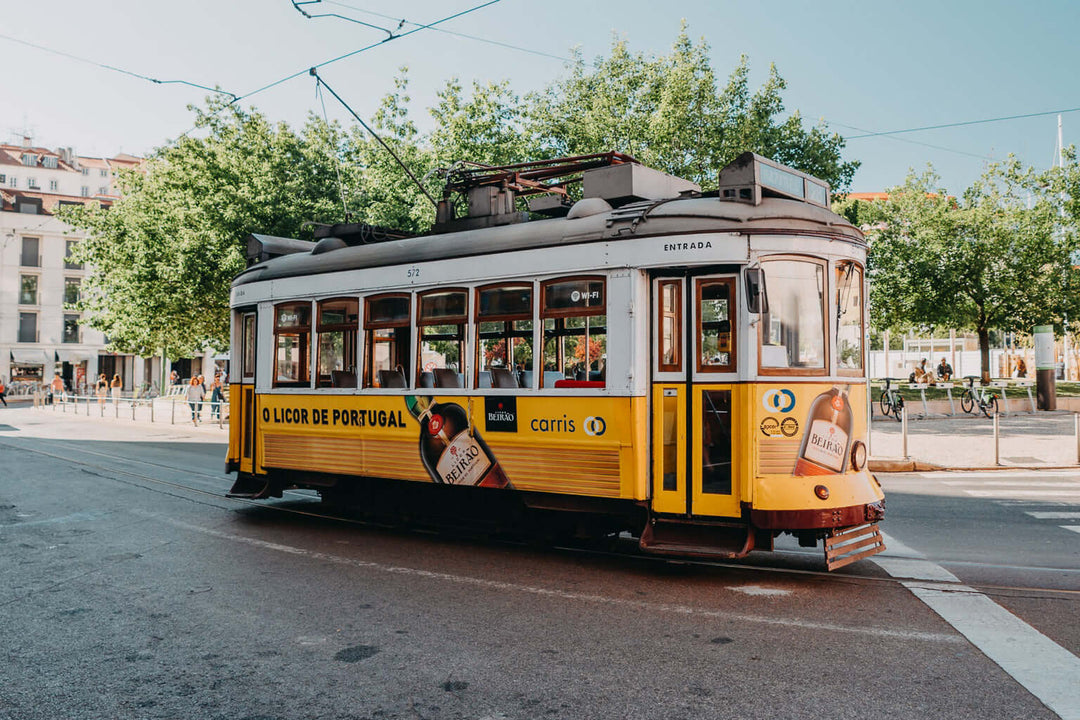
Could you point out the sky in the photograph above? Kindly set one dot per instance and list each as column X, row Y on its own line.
column 862, row 67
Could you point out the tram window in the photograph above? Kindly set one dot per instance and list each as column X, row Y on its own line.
column 248, row 346
column 339, row 321
column 387, row 339
column 793, row 331
column 670, row 318
column 849, row 317
column 575, row 331
column 441, row 323
column 716, row 327
column 504, row 352
column 292, row 341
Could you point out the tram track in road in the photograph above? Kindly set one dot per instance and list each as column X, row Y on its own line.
column 633, row 554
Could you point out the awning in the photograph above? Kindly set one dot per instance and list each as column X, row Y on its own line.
column 30, row 357
column 72, row 356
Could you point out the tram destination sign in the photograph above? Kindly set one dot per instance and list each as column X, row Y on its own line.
column 751, row 176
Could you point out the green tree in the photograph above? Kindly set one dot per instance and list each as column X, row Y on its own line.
column 999, row 256
column 164, row 254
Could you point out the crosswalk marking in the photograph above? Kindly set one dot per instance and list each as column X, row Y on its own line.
column 1074, row 528
column 1025, row 493
column 1044, row 515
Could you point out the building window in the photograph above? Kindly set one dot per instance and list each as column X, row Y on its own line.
column 86, row 171
column 28, row 288
column 504, row 316
column 31, row 183
column 29, row 160
column 13, row 182
column 27, row 327
column 85, row 192
column 292, row 340
column 103, row 190
column 53, row 185
column 387, row 339
column 69, row 247
column 104, row 172
column 71, row 328
column 49, row 161
column 3, row 178
column 71, row 290
column 30, row 257
column 339, row 322
column 575, row 331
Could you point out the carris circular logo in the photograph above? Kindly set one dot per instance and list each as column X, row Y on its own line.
column 595, row 426
column 782, row 400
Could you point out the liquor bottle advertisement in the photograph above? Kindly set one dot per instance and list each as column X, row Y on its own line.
column 805, row 430
column 452, row 451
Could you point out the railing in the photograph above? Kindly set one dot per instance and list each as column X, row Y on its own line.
column 164, row 410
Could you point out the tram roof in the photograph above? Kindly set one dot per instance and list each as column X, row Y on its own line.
column 677, row 216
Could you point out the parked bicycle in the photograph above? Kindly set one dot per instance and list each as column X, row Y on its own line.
column 979, row 397
column 891, row 402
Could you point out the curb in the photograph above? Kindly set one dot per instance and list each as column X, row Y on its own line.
column 899, row 465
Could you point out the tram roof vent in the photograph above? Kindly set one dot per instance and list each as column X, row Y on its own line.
column 750, row 177
column 632, row 182
column 261, row 248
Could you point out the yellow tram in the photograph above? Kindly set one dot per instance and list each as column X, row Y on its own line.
column 688, row 367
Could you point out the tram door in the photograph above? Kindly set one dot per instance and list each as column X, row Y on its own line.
column 247, row 411
column 694, row 368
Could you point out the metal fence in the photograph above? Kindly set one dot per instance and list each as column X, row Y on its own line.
column 169, row 410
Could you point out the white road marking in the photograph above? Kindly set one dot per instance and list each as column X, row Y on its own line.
column 1020, row 493
column 1074, row 528
column 1045, row 515
column 1014, row 484
column 555, row 593
column 1048, row 671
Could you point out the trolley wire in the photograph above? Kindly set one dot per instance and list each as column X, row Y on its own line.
column 113, row 68
column 853, row 579
column 963, row 123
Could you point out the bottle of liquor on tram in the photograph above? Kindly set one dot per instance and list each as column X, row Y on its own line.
column 827, row 434
column 452, row 452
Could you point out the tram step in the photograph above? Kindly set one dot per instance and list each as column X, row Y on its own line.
column 251, row 488
column 843, row 547
column 713, row 541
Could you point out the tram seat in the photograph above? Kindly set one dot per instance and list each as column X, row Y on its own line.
column 503, row 378
column 447, row 378
column 427, row 380
column 525, row 379
column 551, row 377
column 392, row 379
column 342, row 379
column 484, row 379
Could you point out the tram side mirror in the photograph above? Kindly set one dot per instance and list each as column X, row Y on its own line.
column 757, row 298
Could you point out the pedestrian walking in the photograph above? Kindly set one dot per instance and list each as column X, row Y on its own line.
column 174, row 378
column 57, row 387
column 195, row 393
column 3, row 392
column 101, row 388
column 117, row 385
column 217, row 396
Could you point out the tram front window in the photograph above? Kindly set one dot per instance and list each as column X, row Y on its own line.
column 793, row 331
column 849, row 317
column 387, row 339
column 442, row 319
column 575, row 332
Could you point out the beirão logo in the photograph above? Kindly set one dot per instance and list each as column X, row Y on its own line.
column 595, row 426
column 782, row 400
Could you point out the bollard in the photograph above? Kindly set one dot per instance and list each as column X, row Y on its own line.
column 903, row 429
column 173, row 420
column 133, row 409
column 116, row 408
column 997, row 439
column 151, row 411
column 220, row 415
column 1076, row 423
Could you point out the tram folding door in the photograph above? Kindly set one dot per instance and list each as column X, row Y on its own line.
column 244, row 409
column 695, row 409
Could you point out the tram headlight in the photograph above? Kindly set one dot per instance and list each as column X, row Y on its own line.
column 821, row 491
column 858, row 455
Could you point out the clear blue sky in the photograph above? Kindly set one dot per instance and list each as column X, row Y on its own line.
column 874, row 66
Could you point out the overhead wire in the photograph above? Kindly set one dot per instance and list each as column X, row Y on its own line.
column 910, row 141
column 964, row 123
column 113, row 68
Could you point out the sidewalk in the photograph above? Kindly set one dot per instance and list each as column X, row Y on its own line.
column 1031, row 441
column 168, row 412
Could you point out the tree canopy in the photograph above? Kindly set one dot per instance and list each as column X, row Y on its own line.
column 163, row 255
column 999, row 256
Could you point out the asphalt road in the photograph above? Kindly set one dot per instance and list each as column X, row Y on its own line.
column 135, row 589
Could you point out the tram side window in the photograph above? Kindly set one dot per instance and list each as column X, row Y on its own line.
column 292, row 342
column 575, row 332
column 849, row 317
column 339, row 321
column 441, row 321
column 504, row 352
column 793, row 331
column 387, row 341
column 716, row 329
